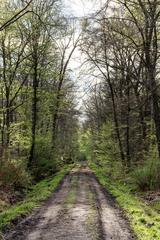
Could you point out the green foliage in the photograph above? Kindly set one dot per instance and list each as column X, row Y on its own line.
column 13, row 174
column 19, row 136
column 106, row 149
column 85, row 145
column 45, row 166
column 105, row 141
column 147, row 177
column 102, row 147
column 38, row 193
column 145, row 221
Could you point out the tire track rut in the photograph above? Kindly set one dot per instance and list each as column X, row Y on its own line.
column 79, row 210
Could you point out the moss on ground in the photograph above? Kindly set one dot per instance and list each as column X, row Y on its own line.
column 144, row 219
column 39, row 192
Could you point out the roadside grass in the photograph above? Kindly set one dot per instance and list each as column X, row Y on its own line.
column 38, row 193
column 144, row 220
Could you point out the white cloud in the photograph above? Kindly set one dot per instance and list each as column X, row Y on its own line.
column 81, row 8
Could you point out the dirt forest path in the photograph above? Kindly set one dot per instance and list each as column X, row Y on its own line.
column 80, row 210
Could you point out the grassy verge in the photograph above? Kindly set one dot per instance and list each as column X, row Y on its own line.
column 38, row 193
column 144, row 220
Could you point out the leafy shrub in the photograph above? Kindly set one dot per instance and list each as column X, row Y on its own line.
column 107, row 151
column 44, row 168
column 46, row 159
column 14, row 175
column 147, row 177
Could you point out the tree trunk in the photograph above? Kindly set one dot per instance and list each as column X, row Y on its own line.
column 34, row 111
column 128, row 124
column 156, row 113
column 55, row 118
column 116, row 124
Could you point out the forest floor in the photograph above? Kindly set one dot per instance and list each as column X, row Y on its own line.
column 80, row 209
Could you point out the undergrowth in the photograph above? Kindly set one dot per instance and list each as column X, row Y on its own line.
column 144, row 220
column 147, row 176
column 35, row 196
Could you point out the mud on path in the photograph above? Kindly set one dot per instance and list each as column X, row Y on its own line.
column 79, row 210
